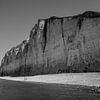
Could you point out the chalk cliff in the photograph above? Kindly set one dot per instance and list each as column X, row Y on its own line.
column 55, row 45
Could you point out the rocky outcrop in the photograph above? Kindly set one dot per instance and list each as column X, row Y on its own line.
column 65, row 44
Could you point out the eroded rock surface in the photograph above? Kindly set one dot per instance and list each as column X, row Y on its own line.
column 66, row 44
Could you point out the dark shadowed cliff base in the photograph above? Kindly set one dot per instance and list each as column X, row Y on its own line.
column 57, row 45
column 11, row 90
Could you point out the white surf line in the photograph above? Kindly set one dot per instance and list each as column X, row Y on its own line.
column 89, row 79
column 13, row 78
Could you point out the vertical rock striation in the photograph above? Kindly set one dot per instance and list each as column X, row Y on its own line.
column 66, row 44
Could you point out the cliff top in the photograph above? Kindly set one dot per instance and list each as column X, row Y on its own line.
column 86, row 14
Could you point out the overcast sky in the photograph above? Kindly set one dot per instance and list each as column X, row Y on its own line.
column 17, row 17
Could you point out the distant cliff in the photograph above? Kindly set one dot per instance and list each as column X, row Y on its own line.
column 56, row 45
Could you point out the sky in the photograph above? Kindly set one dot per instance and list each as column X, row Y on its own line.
column 18, row 17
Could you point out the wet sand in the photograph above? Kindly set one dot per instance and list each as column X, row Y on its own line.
column 14, row 90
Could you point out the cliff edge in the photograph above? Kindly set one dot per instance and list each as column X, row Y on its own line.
column 57, row 45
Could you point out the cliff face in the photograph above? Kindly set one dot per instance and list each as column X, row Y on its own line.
column 67, row 44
